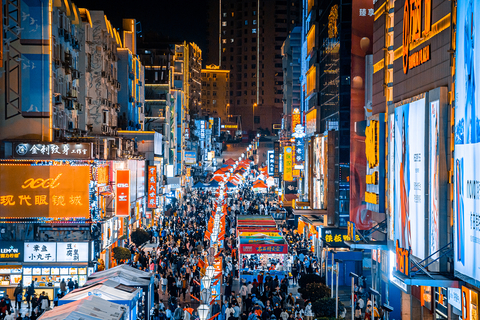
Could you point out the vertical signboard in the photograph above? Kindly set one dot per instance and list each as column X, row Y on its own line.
column 271, row 162
column 296, row 119
column 467, row 143
column 122, row 204
column 375, row 170
column 152, row 187
column 276, row 166
column 319, row 172
column 288, row 163
column 391, row 175
column 410, row 176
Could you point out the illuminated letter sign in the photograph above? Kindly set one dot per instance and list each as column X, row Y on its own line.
column 288, row 163
column 371, row 143
column 47, row 192
column 152, row 187
column 412, row 32
column 403, row 262
column 123, row 193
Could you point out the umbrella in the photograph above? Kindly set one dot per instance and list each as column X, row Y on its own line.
column 199, row 185
column 230, row 185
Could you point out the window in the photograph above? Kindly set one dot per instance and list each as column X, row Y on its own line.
column 224, row 40
column 105, row 117
column 224, row 23
column 254, row 40
column 253, row 83
column 254, row 22
column 254, row 30
column 214, row 101
column 224, row 14
column 233, row 14
column 214, row 93
column 246, row 22
column 254, row 66
column 254, row 13
column 254, row 92
column 253, row 101
column 214, row 76
column 257, row 119
column 214, row 84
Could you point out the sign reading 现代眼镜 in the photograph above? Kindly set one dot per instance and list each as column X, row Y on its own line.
column 53, row 151
column 60, row 192
column 288, row 163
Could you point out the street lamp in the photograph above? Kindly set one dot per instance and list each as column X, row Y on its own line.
column 206, row 295
column 337, row 271
column 374, row 293
column 354, row 276
column 253, row 108
column 203, row 311
column 206, row 282
column 210, row 271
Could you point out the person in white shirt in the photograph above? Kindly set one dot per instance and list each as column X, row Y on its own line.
column 249, row 288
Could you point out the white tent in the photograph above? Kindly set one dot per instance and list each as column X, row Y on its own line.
column 124, row 268
column 89, row 308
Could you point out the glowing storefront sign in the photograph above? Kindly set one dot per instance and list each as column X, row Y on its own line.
column 288, row 163
column 152, row 187
column 44, row 192
column 122, row 205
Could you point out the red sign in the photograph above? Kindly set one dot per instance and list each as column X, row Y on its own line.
column 263, row 248
column 152, row 187
column 123, row 193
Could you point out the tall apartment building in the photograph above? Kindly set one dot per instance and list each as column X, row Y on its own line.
column 215, row 92
column 246, row 38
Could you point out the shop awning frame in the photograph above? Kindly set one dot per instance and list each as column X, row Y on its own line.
column 372, row 245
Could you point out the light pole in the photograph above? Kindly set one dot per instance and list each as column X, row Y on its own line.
column 373, row 293
column 333, row 261
column 337, row 271
column 354, row 276
column 253, row 109
column 203, row 311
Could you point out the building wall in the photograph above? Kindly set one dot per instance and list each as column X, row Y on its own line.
column 215, row 92
column 250, row 36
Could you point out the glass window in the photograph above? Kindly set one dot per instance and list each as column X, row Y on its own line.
column 246, row 22
column 224, row 23
column 254, row 30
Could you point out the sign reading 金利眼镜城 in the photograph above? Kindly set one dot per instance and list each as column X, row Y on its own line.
column 44, row 192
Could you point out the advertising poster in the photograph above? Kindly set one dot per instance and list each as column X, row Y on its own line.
column 60, row 192
column 409, row 195
column 433, row 177
column 362, row 27
column 467, row 144
column 319, row 174
column 391, row 175
column 190, row 157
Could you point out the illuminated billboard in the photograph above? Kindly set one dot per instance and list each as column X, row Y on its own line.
column 122, row 203
column 288, row 163
column 152, row 187
column 319, row 172
column 59, row 192
column 467, row 143
column 409, row 186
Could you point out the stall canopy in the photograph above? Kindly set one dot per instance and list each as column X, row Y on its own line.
column 200, row 185
column 230, row 161
column 259, row 235
column 123, row 268
column 88, row 308
column 108, row 290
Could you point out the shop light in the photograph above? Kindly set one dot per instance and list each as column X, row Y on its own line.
column 210, row 271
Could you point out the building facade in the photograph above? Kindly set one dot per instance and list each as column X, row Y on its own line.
column 216, row 92
column 246, row 37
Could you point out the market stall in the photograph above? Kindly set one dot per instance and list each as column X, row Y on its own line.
column 130, row 277
column 111, row 291
column 91, row 308
column 262, row 248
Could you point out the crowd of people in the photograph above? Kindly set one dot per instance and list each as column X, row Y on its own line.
column 180, row 250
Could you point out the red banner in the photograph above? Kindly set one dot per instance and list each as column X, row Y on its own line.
column 263, row 248
column 123, row 193
column 152, row 187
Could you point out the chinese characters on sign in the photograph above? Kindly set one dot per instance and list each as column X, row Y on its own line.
column 44, row 191
column 288, row 163
column 271, row 162
column 152, row 187
column 276, row 163
column 56, row 251
column 40, row 251
column 11, row 251
column 336, row 237
column 52, row 150
column 122, row 204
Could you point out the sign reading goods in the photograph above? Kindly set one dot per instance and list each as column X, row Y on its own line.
column 44, row 191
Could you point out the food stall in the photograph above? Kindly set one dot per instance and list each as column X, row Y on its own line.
column 262, row 248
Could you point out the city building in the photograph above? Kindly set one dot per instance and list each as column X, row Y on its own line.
column 246, row 37
column 131, row 75
column 215, row 92
column 291, row 53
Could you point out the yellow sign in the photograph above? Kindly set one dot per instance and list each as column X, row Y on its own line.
column 371, row 143
column 288, row 163
column 412, row 30
column 372, row 178
column 230, row 126
column 371, row 197
column 295, row 118
column 403, row 262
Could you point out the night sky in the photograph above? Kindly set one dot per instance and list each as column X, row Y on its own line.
column 178, row 19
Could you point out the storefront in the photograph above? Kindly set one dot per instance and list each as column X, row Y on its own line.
column 43, row 263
